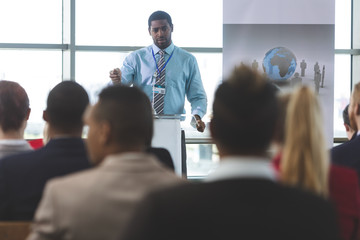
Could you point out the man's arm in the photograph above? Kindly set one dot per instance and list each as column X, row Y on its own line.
column 45, row 226
column 127, row 73
column 196, row 95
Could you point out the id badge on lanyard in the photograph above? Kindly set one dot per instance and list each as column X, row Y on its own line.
column 157, row 89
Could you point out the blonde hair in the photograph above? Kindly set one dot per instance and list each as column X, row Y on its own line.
column 305, row 161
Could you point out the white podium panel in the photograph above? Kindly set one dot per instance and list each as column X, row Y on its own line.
column 167, row 134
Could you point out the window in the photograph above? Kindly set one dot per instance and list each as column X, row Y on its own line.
column 114, row 23
column 37, row 71
column 347, row 44
column 32, row 51
column 35, row 21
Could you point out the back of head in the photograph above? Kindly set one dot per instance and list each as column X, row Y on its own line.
column 66, row 104
column 305, row 160
column 129, row 112
column 345, row 115
column 244, row 113
column 159, row 15
column 14, row 106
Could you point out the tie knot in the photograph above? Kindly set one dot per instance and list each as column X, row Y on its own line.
column 161, row 52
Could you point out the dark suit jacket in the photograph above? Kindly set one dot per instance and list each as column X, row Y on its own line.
column 163, row 155
column 253, row 209
column 23, row 176
column 347, row 154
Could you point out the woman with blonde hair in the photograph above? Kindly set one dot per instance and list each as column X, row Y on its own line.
column 305, row 162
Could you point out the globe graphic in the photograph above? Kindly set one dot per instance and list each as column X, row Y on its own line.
column 279, row 63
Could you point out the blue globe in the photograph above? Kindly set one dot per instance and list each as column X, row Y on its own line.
column 279, row 63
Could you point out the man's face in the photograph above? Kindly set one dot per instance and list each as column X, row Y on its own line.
column 160, row 32
column 93, row 141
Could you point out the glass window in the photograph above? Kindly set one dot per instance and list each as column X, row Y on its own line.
column 202, row 159
column 341, row 91
column 342, row 24
column 210, row 65
column 35, row 21
column 356, row 24
column 356, row 69
column 37, row 72
column 92, row 70
column 116, row 22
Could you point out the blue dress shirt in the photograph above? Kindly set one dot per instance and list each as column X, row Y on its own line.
column 182, row 77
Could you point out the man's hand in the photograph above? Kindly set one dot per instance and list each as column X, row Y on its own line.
column 200, row 125
column 115, row 76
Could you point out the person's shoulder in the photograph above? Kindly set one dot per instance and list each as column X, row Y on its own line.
column 281, row 195
column 183, row 52
column 74, row 180
column 141, row 51
column 352, row 145
column 21, row 157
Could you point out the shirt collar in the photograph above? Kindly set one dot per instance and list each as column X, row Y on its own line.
column 243, row 167
column 13, row 141
column 167, row 50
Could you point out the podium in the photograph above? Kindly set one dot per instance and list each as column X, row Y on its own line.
column 167, row 134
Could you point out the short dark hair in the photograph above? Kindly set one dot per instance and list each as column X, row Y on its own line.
column 66, row 104
column 345, row 115
column 160, row 15
column 244, row 112
column 129, row 112
column 14, row 105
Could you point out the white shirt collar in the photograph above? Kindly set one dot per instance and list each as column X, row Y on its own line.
column 13, row 141
column 243, row 167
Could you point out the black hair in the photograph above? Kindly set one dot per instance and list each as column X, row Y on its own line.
column 345, row 115
column 14, row 105
column 160, row 15
column 66, row 104
column 245, row 112
column 129, row 112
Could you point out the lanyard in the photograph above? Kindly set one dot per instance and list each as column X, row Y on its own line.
column 159, row 71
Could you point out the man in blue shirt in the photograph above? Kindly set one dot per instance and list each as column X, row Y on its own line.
column 182, row 75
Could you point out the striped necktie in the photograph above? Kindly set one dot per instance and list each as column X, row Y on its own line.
column 160, row 81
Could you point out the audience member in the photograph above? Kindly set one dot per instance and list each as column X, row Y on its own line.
column 23, row 176
column 241, row 199
column 305, row 162
column 348, row 153
column 351, row 134
column 14, row 113
column 96, row 204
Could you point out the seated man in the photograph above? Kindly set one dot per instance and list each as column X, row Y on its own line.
column 241, row 199
column 347, row 154
column 23, row 176
column 14, row 113
column 96, row 204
